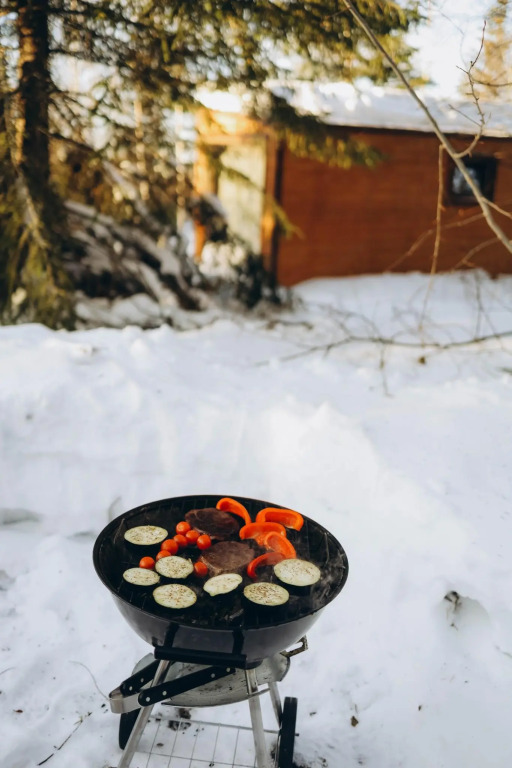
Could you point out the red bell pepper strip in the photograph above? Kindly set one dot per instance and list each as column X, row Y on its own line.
column 278, row 543
column 287, row 517
column 231, row 505
column 269, row 558
column 254, row 530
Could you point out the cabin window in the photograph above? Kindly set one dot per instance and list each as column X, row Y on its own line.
column 483, row 172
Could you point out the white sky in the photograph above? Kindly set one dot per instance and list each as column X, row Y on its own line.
column 451, row 39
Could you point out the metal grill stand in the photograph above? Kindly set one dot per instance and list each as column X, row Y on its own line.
column 186, row 679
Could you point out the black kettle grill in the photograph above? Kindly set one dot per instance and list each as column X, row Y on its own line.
column 216, row 651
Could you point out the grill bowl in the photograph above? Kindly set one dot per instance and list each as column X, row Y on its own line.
column 223, row 627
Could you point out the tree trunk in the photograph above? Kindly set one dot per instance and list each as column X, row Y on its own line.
column 33, row 153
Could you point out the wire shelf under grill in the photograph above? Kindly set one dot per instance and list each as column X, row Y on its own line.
column 180, row 743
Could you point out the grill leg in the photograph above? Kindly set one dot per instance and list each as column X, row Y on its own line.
column 276, row 700
column 262, row 758
column 134, row 738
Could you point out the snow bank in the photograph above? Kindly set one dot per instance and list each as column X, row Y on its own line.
column 401, row 451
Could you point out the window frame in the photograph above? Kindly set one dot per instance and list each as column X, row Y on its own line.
column 487, row 165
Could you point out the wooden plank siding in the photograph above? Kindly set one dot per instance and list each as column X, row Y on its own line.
column 361, row 221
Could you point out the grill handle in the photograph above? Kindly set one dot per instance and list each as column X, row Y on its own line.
column 188, row 682
column 238, row 660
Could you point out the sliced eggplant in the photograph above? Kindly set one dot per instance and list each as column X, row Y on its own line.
column 221, row 585
column 145, row 535
column 141, row 577
column 175, row 596
column 266, row 594
column 174, row 567
column 297, row 573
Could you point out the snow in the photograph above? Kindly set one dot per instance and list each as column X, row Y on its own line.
column 401, row 450
column 371, row 106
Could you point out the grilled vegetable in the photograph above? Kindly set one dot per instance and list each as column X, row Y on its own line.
column 141, row 577
column 175, row 596
column 286, row 517
column 201, row 569
column 255, row 530
column 277, row 543
column 204, row 541
column 174, row 567
column 221, row 585
column 297, row 573
column 192, row 536
column 269, row 558
column 233, row 506
column 170, row 546
column 181, row 540
column 147, row 562
column 266, row 594
column 145, row 535
column 183, row 527
column 162, row 553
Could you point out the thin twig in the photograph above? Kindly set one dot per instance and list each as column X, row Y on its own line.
column 481, row 115
column 75, row 729
column 92, row 676
column 437, row 242
column 481, row 200
column 389, row 343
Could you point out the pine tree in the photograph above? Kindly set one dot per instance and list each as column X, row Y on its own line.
column 493, row 77
column 151, row 56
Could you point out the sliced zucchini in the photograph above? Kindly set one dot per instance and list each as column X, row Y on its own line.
column 266, row 594
column 297, row 573
column 222, row 584
column 141, row 577
column 175, row 596
column 174, row 567
column 145, row 535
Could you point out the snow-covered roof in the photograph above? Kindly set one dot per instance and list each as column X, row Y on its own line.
column 379, row 107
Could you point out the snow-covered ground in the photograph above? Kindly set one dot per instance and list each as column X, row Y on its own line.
column 403, row 450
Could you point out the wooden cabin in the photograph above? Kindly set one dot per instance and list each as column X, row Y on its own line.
column 362, row 220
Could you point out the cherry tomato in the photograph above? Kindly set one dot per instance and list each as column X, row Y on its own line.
column 182, row 527
column 163, row 553
column 170, row 545
column 192, row 536
column 180, row 540
column 201, row 569
column 204, row 541
column 147, row 562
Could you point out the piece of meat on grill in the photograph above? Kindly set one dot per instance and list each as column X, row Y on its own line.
column 216, row 523
column 228, row 557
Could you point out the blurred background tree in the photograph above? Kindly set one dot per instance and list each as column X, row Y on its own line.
column 91, row 94
column 493, row 73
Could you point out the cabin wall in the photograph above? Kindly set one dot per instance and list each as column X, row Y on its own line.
column 360, row 220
